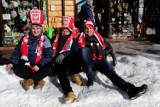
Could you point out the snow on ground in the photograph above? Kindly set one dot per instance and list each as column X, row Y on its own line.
column 135, row 69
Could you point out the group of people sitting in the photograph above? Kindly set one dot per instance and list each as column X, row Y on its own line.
column 35, row 57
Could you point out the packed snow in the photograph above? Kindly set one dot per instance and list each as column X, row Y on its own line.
column 135, row 69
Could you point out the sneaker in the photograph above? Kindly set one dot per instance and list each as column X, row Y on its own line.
column 40, row 84
column 27, row 83
column 135, row 92
column 70, row 98
column 76, row 79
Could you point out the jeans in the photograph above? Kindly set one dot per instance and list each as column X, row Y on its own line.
column 69, row 64
column 87, row 62
column 103, row 67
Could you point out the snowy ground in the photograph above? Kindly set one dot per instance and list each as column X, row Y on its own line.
column 139, row 68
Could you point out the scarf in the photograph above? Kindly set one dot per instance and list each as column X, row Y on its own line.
column 82, row 41
column 24, row 48
column 66, row 47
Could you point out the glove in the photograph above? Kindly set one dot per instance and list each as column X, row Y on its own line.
column 114, row 62
column 60, row 58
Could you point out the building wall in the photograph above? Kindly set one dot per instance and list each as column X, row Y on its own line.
column 54, row 17
column 53, row 20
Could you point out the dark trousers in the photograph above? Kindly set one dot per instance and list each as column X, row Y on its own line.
column 86, row 62
column 69, row 65
column 25, row 72
column 105, row 68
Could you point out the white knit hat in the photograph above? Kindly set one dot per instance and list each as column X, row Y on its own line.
column 89, row 2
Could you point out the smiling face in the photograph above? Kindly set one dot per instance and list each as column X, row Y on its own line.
column 89, row 30
column 36, row 30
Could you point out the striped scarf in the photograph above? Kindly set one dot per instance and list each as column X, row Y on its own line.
column 82, row 41
column 24, row 48
column 66, row 47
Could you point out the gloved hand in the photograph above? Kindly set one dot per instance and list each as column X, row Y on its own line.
column 60, row 58
column 114, row 62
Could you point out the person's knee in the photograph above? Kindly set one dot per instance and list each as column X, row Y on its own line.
column 85, row 50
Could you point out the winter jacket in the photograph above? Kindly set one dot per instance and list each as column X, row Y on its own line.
column 47, row 53
column 109, row 51
column 87, row 12
column 61, row 42
column 91, row 43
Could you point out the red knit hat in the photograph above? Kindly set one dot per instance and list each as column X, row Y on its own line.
column 89, row 23
column 36, row 17
column 68, row 22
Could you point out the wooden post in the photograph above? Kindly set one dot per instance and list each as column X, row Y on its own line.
column 63, row 7
column 1, row 24
column 109, row 17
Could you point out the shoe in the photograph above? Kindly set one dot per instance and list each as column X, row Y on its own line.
column 40, row 84
column 27, row 83
column 70, row 98
column 77, row 79
column 90, row 82
column 90, row 76
column 134, row 92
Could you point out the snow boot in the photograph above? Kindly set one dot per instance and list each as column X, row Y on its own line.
column 90, row 82
column 134, row 92
column 76, row 79
column 70, row 98
column 90, row 76
column 40, row 84
column 27, row 83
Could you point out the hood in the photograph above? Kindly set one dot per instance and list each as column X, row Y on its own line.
column 86, row 6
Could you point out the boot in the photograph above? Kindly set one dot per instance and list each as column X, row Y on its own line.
column 40, row 84
column 70, row 98
column 134, row 92
column 27, row 83
column 90, row 77
column 90, row 82
column 77, row 79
